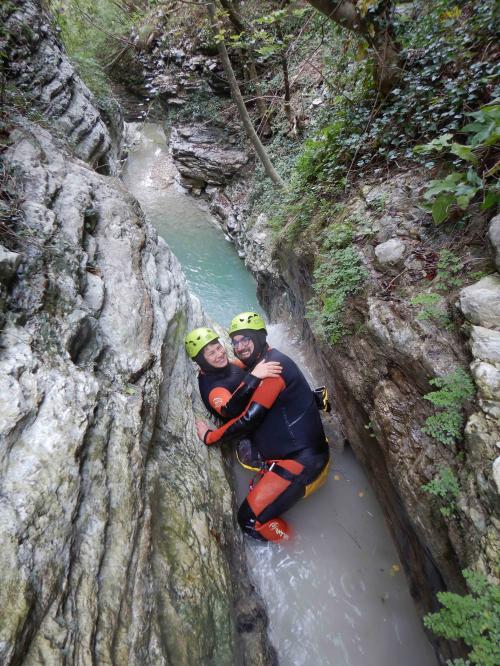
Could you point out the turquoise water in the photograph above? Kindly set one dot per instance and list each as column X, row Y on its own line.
column 214, row 271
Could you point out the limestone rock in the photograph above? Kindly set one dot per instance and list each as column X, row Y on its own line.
column 485, row 344
column 487, row 378
column 202, row 154
column 43, row 74
column 494, row 236
column 117, row 530
column 403, row 340
column 390, row 255
column 480, row 303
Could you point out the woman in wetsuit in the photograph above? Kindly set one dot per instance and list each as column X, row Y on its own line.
column 285, row 425
column 225, row 386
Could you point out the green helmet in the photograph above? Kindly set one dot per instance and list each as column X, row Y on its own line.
column 197, row 339
column 245, row 321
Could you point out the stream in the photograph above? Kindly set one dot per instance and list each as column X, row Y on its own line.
column 336, row 595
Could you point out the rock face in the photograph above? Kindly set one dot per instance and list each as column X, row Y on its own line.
column 117, row 529
column 108, row 552
column 202, row 156
column 380, row 372
column 42, row 75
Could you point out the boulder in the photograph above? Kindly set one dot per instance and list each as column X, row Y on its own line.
column 480, row 303
column 485, row 344
column 390, row 255
column 201, row 154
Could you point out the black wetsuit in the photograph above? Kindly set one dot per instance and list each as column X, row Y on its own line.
column 285, row 425
column 226, row 392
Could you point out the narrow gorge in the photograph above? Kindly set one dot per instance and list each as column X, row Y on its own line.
column 118, row 537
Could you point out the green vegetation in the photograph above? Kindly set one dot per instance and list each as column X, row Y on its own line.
column 445, row 487
column 338, row 274
column 355, row 131
column 433, row 308
column 458, row 189
column 474, row 618
column 454, row 390
column 93, row 34
column 449, row 267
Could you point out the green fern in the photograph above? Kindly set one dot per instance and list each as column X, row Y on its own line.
column 454, row 390
column 474, row 618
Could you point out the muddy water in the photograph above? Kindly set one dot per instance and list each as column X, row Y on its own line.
column 336, row 595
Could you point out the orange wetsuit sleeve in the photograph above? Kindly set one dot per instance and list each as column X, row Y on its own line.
column 262, row 400
column 218, row 397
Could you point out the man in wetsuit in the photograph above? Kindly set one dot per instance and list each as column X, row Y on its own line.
column 285, row 425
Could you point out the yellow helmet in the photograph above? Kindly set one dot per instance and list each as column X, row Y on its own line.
column 197, row 339
column 247, row 321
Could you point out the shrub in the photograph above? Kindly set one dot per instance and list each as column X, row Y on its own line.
column 458, row 189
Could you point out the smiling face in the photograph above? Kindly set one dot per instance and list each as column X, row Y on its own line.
column 243, row 346
column 215, row 354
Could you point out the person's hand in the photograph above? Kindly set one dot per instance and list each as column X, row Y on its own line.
column 267, row 369
column 201, row 429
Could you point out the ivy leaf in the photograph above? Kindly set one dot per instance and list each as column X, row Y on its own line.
column 464, row 152
column 266, row 50
column 436, row 144
column 441, row 206
column 490, row 199
column 449, row 184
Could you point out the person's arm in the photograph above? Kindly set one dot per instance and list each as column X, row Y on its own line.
column 262, row 401
column 231, row 405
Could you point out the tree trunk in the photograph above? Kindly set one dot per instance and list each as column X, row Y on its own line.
column 286, row 81
column 249, row 63
column 345, row 13
column 245, row 118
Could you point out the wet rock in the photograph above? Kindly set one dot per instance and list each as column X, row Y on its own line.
column 105, row 483
column 389, row 256
column 480, row 303
column 202, row 154
column 494, row 236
